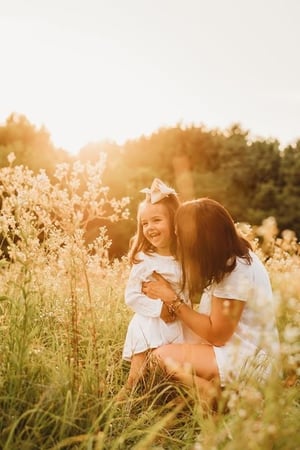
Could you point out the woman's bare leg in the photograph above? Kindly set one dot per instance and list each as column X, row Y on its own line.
column 194, row 365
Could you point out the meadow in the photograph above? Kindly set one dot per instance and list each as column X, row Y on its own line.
column 63, row 322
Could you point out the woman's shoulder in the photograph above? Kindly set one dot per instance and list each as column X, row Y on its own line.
column 236, row 283
column 246, row 265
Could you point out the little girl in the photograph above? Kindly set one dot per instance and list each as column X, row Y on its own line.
column 152, row 249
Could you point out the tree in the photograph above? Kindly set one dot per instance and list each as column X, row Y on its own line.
column 288, row 214
column 32, row 146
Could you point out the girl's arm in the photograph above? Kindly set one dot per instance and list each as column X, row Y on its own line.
column 216, row 328
column 139, row 302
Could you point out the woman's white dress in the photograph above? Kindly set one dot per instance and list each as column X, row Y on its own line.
column 254, row 346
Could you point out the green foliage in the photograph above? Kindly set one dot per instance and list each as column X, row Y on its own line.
column 31, row 146
column 288, row 214
column 254, row 179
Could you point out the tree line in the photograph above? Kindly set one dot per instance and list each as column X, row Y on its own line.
column 253, row 178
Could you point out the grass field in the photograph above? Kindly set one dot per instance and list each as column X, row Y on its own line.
column 63, row 323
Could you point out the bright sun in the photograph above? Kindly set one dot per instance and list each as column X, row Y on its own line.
column 78, row 92
column 119, row 70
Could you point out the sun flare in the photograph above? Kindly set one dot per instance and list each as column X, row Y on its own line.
column 117, row 72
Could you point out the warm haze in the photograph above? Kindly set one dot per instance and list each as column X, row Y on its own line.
column 92, row 69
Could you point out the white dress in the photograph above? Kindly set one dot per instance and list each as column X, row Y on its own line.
column 146, row 329
column 254, row 346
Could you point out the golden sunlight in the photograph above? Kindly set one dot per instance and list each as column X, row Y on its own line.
column 118, row 71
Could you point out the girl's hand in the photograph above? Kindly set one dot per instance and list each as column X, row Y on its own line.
column 158, row 289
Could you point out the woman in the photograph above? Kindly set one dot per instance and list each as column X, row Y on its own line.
column 235, row 316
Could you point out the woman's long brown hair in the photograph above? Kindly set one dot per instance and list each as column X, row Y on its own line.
column 209, row 243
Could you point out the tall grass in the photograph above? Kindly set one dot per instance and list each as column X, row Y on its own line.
column 63, row 323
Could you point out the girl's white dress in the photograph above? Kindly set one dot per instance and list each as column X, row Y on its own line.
column 146, row 329
column 254, row 347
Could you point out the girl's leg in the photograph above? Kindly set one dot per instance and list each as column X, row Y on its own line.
column 137, row 369
column 192, row 364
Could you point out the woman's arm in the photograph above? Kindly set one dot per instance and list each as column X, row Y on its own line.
column 217, row 328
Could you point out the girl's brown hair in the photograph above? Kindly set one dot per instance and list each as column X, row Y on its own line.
column 139, row 243
column 209, row 243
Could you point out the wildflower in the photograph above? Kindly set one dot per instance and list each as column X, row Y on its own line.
column 291, row 333
column 11, row 157
column 242, row 413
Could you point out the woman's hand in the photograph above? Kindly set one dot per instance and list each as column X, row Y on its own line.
column 165, row 314
column 160, row 288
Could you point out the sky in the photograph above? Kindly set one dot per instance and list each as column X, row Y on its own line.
column 90, row 70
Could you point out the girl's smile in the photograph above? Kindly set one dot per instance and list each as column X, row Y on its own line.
column 155, row 223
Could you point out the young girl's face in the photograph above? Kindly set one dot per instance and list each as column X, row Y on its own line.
column 155, row 223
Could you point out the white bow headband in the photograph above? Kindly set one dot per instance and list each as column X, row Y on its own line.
column 158, row 191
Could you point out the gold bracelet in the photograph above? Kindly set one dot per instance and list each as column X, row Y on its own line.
column 171, row 312
column 175, row 305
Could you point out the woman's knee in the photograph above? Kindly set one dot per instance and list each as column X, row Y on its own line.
column 158, row 354
column 162, row 354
